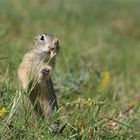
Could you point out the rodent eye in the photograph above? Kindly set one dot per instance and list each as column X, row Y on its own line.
column 42, row 38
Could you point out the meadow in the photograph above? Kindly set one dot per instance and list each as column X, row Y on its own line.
column 97, row 75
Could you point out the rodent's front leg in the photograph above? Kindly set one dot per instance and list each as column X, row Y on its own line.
column 44, row 73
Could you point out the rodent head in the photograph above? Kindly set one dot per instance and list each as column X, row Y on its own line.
column 46, row 43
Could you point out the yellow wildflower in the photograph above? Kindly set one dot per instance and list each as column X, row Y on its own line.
column 105, row 81
column 90, row 102
column 2, row 111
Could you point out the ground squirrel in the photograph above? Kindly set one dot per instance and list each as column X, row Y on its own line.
column 35, row 74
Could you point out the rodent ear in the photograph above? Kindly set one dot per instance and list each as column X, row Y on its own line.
column 35, row 40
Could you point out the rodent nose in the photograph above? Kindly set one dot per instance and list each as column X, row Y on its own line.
column 52, row 48
column 47, row 51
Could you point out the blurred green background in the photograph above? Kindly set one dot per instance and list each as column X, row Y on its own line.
column 104, row 34
column 101, row 34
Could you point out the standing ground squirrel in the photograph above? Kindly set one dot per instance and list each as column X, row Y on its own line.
column 35, row 74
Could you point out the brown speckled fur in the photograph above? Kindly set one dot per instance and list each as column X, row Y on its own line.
column 32, row 80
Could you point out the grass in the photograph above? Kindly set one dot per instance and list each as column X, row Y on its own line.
column 96, row 37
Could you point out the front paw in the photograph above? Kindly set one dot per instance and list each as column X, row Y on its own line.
column 45, row 72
